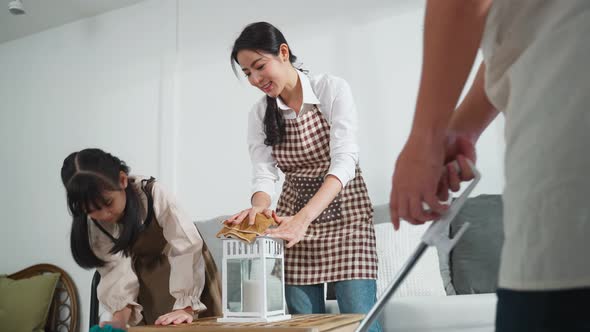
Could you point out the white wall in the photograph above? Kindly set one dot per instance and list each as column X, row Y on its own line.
column 95, row 82
column 378, row 53
column 159, row 92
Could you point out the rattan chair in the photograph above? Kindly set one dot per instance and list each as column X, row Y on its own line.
column 63, row 312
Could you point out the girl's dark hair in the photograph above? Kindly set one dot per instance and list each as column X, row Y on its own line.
column 86, row 175
column 264, row 37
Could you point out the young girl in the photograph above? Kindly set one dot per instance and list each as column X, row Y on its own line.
column 306, row 126
column 151, row 258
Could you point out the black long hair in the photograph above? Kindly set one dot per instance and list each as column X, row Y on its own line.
column 86, row 175
column 264, row 37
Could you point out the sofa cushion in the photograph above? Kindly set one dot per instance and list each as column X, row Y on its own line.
column 393, row 250
column 25, row 303
column 475, row 260
column 461, row 313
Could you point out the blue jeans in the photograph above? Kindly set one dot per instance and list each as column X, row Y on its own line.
column 354, row 296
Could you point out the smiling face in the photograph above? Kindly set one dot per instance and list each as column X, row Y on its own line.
column 266, row 71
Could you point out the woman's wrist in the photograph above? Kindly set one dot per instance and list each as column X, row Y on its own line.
column 261, row 200
column 306, row 215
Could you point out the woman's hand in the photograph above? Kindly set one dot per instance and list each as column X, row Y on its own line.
column 176, row 317
column 250, row 213
column 291, row 229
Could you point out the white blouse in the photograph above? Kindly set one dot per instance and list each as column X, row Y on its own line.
column 333, row 97
column 119, row 285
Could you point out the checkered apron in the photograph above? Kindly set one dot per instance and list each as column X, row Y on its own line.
column 340, row 243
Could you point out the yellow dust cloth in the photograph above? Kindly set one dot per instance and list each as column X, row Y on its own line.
column 245, row 232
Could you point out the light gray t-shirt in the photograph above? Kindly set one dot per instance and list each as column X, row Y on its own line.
column 537, row 56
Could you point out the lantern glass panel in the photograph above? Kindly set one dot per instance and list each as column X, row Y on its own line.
column 234, row 287
column 274, row 280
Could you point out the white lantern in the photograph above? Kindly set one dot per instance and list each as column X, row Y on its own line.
column 253, row 282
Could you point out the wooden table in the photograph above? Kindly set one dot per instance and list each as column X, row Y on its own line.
column 299, row 323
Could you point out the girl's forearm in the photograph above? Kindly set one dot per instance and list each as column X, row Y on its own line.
column 123, row 315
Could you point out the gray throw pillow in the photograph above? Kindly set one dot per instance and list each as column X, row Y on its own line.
column 208, row 229
column 381, row 214
column 475, row 260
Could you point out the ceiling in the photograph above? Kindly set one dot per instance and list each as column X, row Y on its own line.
column 46, row 14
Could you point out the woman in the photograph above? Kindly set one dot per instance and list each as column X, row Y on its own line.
column 305, row 126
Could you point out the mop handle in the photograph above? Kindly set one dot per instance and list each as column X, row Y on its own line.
column 393, row 286
column 435, row 235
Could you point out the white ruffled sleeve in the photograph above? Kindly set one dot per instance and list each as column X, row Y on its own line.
column 118, row 286
column 187, row 265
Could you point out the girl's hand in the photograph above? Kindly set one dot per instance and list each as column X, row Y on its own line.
column 119, row 319
column 176, row 317
column 250, row 213
column 117, row 324
column 291, row 229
